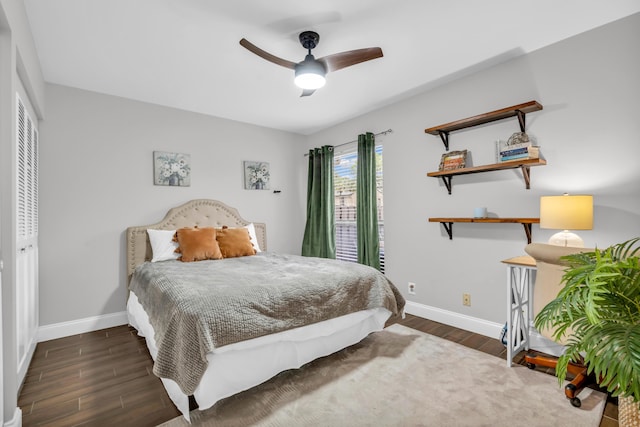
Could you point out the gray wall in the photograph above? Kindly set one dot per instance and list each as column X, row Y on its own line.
column 589, row 108
column 96, row 179
column 588, row 132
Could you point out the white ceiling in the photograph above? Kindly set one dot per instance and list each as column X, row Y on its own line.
column 185, row 53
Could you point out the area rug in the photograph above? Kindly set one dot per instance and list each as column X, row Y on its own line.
column 403, row 377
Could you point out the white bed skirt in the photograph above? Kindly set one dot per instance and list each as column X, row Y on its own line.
column 237, row 367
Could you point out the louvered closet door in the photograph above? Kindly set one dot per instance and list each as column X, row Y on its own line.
column 26, row 237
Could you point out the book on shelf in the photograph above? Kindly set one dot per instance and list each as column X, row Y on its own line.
column 504, row 149
column 517, row 144
column 529, row 153
column 513, row 152
column 517, row 140
column 504, row 146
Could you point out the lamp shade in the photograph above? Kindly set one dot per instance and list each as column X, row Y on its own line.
column 566, row 212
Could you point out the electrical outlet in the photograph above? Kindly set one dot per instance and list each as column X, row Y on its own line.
column 411, row 288
column 466, row 299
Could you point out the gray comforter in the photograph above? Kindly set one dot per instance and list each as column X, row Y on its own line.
column 198, row 306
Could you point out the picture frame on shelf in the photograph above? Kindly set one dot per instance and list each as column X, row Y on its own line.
column 453, row 160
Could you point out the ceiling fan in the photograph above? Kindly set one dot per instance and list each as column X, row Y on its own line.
column 310, row 73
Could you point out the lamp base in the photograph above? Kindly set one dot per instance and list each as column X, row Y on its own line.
column 566, row 238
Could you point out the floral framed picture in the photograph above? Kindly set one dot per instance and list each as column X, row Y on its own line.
column 171, row 169
column 256, row 175
column 453, row 160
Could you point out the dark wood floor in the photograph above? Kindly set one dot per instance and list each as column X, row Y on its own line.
column 104, row 378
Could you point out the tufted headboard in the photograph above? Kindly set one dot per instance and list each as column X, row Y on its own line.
column 200, row 212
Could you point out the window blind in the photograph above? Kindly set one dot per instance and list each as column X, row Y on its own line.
column 344, row 181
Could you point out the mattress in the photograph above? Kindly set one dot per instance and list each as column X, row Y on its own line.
column 236, row 367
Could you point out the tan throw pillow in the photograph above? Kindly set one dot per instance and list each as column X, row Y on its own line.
column 197, row 244
column 234, row 242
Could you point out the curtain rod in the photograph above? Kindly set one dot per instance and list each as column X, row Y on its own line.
column 384, row 132
column 355, row 140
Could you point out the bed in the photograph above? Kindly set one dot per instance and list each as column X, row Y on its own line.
column 217, row 327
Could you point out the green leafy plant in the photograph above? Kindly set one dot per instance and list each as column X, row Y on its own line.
column 598, row 314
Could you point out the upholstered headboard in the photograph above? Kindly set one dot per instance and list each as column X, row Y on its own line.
column 200, row 212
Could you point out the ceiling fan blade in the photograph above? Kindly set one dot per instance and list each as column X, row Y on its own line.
column 307, row 92
column 338, row 61
column 266, row 55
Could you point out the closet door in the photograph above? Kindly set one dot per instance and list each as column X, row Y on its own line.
column 26, row 237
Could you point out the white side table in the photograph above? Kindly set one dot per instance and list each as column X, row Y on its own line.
column 520, row 271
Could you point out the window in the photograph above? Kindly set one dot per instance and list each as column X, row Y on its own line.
column 344, row 181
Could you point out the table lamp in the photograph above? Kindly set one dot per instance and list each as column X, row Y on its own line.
column 566, row 213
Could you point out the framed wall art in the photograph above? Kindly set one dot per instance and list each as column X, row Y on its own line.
column 172, row 169
column 256, row 175
column 453, row 160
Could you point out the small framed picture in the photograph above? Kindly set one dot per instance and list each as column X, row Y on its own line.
column 453, row 160
column 171, row 169
column 256, row 175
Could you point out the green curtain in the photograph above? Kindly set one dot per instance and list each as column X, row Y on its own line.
column 367, row 210
column 320, row 231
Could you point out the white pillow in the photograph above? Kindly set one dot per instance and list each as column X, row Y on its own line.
column 252, row 236
column 162, row 245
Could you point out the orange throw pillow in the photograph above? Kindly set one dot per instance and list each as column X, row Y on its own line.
column 234, row 242
column 198, row 244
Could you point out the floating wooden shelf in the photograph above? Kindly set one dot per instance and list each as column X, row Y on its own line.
column 447, row 223
column 519, row 111
column 523, row 164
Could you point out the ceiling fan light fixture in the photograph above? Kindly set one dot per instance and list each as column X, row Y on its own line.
column 310, row 74
column 309, row 81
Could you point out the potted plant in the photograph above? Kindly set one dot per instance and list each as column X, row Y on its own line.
column 598, row 314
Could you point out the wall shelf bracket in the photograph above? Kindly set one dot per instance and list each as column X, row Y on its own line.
column 447, row 182
column 526, row 174
column 448, row 227
column 522, row 120
column 444, row 135
column 527, row 231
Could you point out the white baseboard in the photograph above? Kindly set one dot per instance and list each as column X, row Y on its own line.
column 81, row 326
column 89, row 324
column 16, row 421
column 480, row 326
column 462, row 321
column 23, row 365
